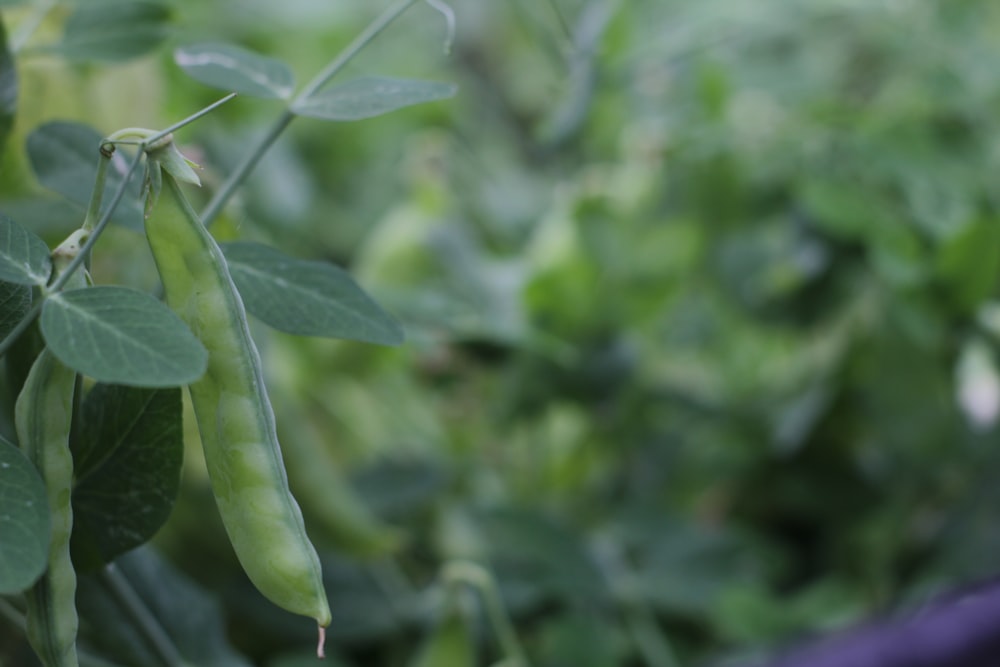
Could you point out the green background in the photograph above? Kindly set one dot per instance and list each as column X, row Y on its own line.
column 700, row 301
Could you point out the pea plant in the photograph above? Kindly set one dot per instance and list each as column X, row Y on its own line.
column 94, row 374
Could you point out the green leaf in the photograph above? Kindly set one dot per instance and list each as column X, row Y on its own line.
column 539, row 557
column 970, row 262
column 307, row 298
column 371, row 96
column 682, row 566
column 24, row 257
column 24, row 521
column 172, row 604
column 15, row 302
column 237, row 70
column 122, row 336
column 64, row 157
column 580, row 639
column 8, row 87
column 841, row 209
column 45, row 213
column 128, row 464
column 114, row 30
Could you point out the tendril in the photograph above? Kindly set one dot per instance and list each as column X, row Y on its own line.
column 449, row 17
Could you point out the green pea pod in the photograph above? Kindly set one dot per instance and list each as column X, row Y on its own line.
column 233, row 411
column 43, row 416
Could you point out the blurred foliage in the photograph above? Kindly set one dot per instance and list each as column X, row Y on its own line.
column 701, row 300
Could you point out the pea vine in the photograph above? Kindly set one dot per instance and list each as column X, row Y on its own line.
column 137, row 350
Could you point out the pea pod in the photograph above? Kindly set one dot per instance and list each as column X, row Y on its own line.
column 43, row 415
column 233, row 411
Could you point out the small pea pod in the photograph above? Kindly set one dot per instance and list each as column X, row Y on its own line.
column 233, row 411
column 43, row 417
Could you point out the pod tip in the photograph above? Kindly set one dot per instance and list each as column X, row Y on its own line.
column 321, row 646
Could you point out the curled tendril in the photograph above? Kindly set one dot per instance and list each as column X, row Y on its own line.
column 449, row 17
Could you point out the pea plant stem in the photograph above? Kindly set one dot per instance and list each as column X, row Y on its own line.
column 61, row 279
column 474, row 575
column 99, row 228
column 383, row 21
column 395, row 586
column 94, row 210
column 561, row 20
column 12, row 615
column 31, row 25
column 190, row 119
column 125, row 596
column 654, row 648
column 449, row 18
column 236, row 178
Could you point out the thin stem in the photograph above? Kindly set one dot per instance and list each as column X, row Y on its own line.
column 61, row 279
column 394, row 585
column 126, row 597
column 147, row 139
column 99, row 228
column 449, row 19
column 15, row 617
column 97, row 195
column 355, row 47
column 477, row 577
column 502, row 624
column 96, row 229
column 21, row 327
column 236, row 178
column 563, row 25
column 649, row 639
column 551, row 41
column 653, row 646
column 28, row 28
column 12, row 615
column 190, row 119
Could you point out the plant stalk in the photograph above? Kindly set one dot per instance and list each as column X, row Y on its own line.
column 190, row 119
column 94, row 210
column 126, row 598
column 561, row 20
column 12, row 615
column 360, row 42
column 236, row 178
column 99, row 228
column 31, row 25
column 481, row 580
column 61, row 279
column 652, row 645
